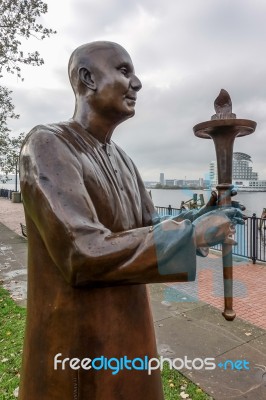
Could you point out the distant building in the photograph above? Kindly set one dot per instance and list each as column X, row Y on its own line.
column 184, row 183
column 169, row 182
column 179, row 182
column 150, row 184
column 243, row 176
column 213, row 173
column 242, row 168
column 162, row 181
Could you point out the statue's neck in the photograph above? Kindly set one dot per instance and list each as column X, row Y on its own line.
column 96, row 125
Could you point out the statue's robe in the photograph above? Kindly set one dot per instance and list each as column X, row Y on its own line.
column 94, row 241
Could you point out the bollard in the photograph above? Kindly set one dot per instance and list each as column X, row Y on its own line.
column 16, row 197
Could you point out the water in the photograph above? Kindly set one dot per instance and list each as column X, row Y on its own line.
column 254, row 201
column 10, row 184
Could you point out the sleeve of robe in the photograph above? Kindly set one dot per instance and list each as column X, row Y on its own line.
column 85, row 251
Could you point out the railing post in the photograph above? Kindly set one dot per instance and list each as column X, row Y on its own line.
column 254, row 238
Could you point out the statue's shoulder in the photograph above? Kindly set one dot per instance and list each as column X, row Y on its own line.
column 47, row 132
column 50, row 129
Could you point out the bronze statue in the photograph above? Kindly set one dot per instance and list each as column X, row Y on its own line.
column 95, row 240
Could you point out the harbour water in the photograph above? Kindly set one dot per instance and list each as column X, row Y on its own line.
column 10, row 184
column 253, row 201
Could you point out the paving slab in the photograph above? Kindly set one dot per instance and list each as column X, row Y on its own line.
column 13, row 261
column 226, row 382
column 236, row 329
column 199, row 331
column 163, row 308
column 193, row 338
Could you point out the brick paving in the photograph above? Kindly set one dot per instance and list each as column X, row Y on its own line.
column 249, row 282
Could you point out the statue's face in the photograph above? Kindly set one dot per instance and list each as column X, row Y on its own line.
column 116, row 84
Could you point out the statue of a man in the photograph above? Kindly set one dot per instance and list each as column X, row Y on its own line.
column 95, row 240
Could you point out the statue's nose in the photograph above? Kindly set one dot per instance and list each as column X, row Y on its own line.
column 136, row 83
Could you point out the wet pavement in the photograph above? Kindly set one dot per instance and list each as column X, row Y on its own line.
column 13, row 261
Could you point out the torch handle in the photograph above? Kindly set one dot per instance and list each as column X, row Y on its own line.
column 228, row 313
column 224, row 195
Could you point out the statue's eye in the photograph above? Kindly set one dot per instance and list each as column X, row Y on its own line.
column 124, row 70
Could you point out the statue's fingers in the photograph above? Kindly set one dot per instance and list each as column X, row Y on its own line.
column 233, row 212
column 238, row 205
column 213, row 199
column 233, row 192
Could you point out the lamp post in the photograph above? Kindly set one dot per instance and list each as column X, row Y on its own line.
column 223, row 128
column 16, row 173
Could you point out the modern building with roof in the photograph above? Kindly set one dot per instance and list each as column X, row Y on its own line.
column 243, row 176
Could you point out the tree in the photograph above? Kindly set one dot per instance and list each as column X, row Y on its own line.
column 17, row 21
column 7, row 145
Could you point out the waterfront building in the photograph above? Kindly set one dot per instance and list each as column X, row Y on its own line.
column 213, row 173
column 169, row 182
column 162, row 181
column 242, row 168
column 150, row 184
column 243, row 176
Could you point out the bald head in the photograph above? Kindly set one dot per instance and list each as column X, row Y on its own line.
column 103, row 78
column 90, row 56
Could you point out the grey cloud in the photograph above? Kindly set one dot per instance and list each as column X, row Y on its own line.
column 95, row 17
column 192, row 51
column 41, row 106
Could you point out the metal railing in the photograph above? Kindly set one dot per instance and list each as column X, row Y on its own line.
column 251, row 237
column 6, row 193
column 164, row 211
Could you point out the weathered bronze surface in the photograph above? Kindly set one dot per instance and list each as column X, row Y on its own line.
column 95, row 240
column 223, row 129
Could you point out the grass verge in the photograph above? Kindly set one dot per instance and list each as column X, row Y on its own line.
column 12, row 325
column 176, row 386
column 13, row 317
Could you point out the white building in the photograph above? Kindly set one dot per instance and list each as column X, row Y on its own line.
column 244, row 178
column 242, row 168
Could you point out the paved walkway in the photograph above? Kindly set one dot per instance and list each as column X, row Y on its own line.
column 249, row 287
column 11, row 214
column 187, row 317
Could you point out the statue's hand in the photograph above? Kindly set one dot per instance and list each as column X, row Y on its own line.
column 217, row 226
column 213, row 204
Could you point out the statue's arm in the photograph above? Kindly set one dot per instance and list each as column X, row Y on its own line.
column 85, row 251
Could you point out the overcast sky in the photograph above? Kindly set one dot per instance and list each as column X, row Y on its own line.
column 184, row 52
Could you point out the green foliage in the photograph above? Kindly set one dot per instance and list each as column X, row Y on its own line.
column 11, row 337
column 9, row 147
column 176, row 386
column 9, row 160
column 17, row 21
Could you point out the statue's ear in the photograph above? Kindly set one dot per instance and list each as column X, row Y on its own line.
column 87, row 78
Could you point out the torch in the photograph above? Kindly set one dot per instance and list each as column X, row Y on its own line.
column 223, row 128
